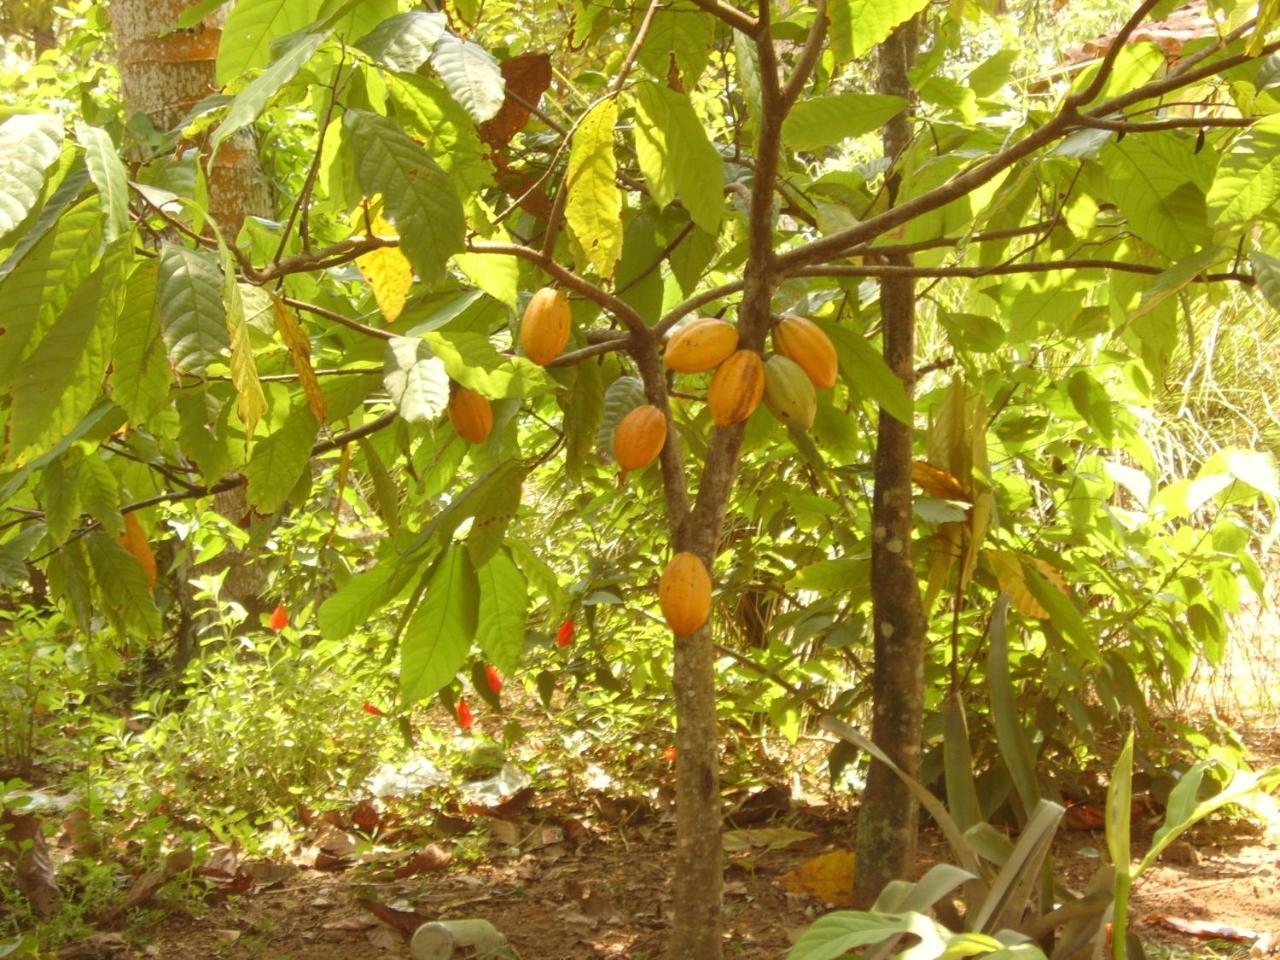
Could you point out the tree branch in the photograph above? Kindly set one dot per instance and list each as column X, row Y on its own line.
column 678, row 313
column 808, row 57
column 732, row 16
column 1080, row 98
column 1032, row 266
column 341, row 252
column 629, row 60
column 1171, row 123
column 336, row 317
column 620, row 341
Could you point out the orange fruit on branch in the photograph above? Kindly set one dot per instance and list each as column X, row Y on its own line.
column 700, row 345
column 470, row 414
column 544, row 328
column 802, row 341
column 684, row 593
column 736, row 388
column 639, row 437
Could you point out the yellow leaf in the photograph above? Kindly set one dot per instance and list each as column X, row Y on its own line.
column 387, row 272
column 1013, row 581
column 594, row 205
column 299, row 346
column 134, row 540
column 828, row 877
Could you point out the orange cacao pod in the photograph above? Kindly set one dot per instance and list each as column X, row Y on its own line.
column 700, row 345
column 736, row 388
column 544, row 329
column 803, row 342
column 639, row 437
column 684, row 593
column 470, row 415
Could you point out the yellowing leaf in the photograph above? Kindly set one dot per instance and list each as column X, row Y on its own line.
column 387, row 272
column 936, row 482
column 1012, row 577
column 134, row 540
column 594, row 207
column 768, row 838
column 828, row 877
column 299, row 346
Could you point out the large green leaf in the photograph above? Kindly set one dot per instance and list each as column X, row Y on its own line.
column 123, row 589
column 1247, row 183
column 355, row 603
column 60, row 498
column 192, row 314
column 416, row 379
column 100, row 494
column 583, row 412
column 504, row 598
column 14, row 553
column 681, row 32
column 859, row 26
column 279, row 459
column 140, row 375
column 438, row 637
column 1014, row 749
column 472, row 77
column 1158, row 183
column 824, row 121
column 866, row 373
column 491, row 488
column 473, row 361
column 71, row 176
column 424, row 108
column 250, row 101
column 108, row 175
column 492, row 514
column 676, row 157
column 28, row 144
column 594, row 207
column 251, row 27
column 38, row 290
column 404, row 42
column 417, row 194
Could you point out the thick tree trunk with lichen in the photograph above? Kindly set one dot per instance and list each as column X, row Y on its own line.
column 888, row 816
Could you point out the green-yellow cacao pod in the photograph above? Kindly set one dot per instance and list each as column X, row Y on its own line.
column 700, row 345
column 544, row 328
column 789, row 393
column 802, row 341
column 684, row 593
column 736, row 388
column 639, row 437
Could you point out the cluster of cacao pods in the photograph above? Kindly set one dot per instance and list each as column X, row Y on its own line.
column 804, row 360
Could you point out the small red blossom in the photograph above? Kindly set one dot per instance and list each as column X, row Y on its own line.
column 564, row 636
column 669, row 754
column 494, row 678
column 464, row 715
column 372, row 711
column 279, row 618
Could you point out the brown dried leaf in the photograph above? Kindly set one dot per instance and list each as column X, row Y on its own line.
column 405, row 921
column 527, row 77
column 936, row 482
column 299, row 346
column 36, row 873
column 431, row 859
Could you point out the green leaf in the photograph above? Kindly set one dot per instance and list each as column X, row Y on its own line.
column 438, row 638
column 838, row 933
column 1247, row 182
column 71, row 184
column 867, row 374
column 355, row 603
column 583, row 413
column 192, row 314
column 250, row 29
column 488, row 489
column 621, row 397
column 859, row 26
column 845, row 576
column 639, row 281
column 251, row 404
column 122, row 584
column 60, row 498
column 251, row 101
column 504, row 598
column 962, row 792
column 416, row 379
column 404, row 42
column 1119, row 797
column 676, row 157
column 38, row 289
column 108, row 175
column 823, row 121
column 1092, row 402
column 1177, row 278
column 1266, row 270
column 1005, row 713
column 279, row 459
column 140, row 375
column 418, row 195
column 472, row 77
column 473, row 361
column 100, row 494
column 385, row 492
column 492, row 512
column 426, row 109
column 594, row 207
column 28, row 144
column 682, row 32
column 1156, row 182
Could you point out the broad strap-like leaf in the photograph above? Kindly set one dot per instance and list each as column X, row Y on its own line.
column 298, row 344
column 385, row 491
column 404, row 42
column 189, row 304
column 492, row 514
column 418, row 195
column 279, row 459
column 252, row 26
column 824, row 121
column 491, row 487
column 108, row 175
column 676, row 156
column 472, row 77
column 504, row 598
column 1005, row 715
column 140, row 375
column 60, row 497
column 251, row 403
column 594, row 207
column 416, row 379
column 28, row 144
column 583, row 412
column 100, row 494
column 438, row 638
column 251, row 101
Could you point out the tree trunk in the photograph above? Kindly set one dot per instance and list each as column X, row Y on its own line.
column 888, row 816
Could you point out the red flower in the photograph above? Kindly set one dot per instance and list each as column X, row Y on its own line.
column 492, row 676
column 373, row 711
column 464, row 715
column 279, row 618
column 669, row 754
column 565, row 635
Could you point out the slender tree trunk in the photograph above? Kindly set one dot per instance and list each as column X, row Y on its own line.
column 888, row 816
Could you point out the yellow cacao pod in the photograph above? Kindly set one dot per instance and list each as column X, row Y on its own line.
column 789, row 393
column 802, row 341
column 639, row 437
column 470, row 414
column 736, row 388
column 684, row 593
column 700, row 345
column 544, row 328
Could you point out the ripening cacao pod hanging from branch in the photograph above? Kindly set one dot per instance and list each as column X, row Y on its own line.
column 700, row 345
column 789, row 393
column 803, row 342
column 736, row 388
column 544, row 328
column 684, row 593
column 639, row 437
column 470, row 414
